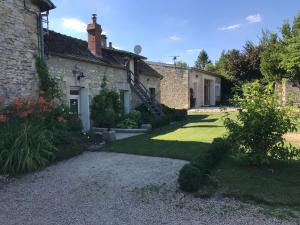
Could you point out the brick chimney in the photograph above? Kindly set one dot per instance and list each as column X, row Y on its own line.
column 94, row 37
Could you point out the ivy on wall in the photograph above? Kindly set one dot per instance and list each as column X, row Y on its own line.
column 48, row 85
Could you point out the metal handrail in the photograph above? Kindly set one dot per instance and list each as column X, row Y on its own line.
column 141, row 86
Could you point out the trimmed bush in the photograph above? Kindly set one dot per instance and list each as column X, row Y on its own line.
column 190, row 178
column 205, row 162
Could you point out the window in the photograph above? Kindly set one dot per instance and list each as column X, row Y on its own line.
column 75, row 100
column 152, row 93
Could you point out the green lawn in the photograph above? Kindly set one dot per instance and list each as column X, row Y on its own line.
column 278, row 185
column 182, row 140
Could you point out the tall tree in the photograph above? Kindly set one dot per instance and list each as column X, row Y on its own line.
column 181, row 64
column 291, row 50
column 202, row 60
column 240, row 66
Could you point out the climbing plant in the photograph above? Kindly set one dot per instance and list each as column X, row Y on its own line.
column 48, row 85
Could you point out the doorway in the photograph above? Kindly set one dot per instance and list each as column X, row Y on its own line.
column 75, row 100
column 207, row 92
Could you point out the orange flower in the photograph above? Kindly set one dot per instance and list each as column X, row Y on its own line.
column 17, row 103
column 3, row 118
column 2, row 100
column 60, row 119
column 42, row 100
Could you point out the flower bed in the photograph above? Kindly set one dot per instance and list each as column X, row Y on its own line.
column 32, row 132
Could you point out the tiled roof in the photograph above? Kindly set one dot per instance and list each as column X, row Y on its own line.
column 65, row 45
column 56, row 43
column 145, row 69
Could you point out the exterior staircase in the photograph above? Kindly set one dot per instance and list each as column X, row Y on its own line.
column 151, row 103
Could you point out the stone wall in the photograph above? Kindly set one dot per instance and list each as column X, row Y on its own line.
column 148, row 82
column 61, row 69
column 18, row 45
column 174, row 87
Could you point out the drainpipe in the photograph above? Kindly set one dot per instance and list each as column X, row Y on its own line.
column 39, row 27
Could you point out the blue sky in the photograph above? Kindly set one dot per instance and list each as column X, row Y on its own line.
column 166, row 28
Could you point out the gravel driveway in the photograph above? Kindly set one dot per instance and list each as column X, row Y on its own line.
column 116, row 189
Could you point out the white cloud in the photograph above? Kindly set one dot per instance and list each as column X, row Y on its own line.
column 104, row 32
column 254, row 18
column 74, row 24
column 231, row 27
column 117, row 47
column 175, row 38
column 193, row 50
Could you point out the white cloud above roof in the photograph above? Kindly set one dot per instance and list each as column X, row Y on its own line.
column 193, row 50
column 231, row 27
column 175, row 38
column 254, row 18
column 74, row 24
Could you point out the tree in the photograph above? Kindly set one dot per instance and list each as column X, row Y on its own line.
column 230, row 64
column 105, row 107
column 202, row 60
column 257, row 133
column 270, row 57
column 280, row 56
column 240, row 66
column 210, row 68
column 181, row 64
column 291, row 50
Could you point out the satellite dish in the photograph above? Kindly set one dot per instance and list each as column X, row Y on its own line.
column 137, row 49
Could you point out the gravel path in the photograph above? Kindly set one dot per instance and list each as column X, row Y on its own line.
column 115, row 189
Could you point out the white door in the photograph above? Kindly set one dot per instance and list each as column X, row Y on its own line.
column 75, row 103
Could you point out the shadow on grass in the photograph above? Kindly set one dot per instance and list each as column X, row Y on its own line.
column 146, row 144
column 278, row 185
column 201, row 126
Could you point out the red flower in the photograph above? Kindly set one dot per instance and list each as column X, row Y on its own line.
column 17, row 103
column 60, row 119
column 3, row 118
column 42, row 100
column 2, row 100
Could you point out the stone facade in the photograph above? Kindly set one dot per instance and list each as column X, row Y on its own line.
column 18, row 45
column 179, row 85
column 197, row 80
column 61, row 68
column 148, row 82
column 174, row 87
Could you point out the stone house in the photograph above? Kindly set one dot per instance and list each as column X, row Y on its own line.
column 21, row 39
column 79, row 67
column 185, row 88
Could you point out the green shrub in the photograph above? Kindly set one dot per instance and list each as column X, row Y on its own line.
column 170, row 116
column 131, row 120
column 33, row 132
column 105, row 107
column 128, row 123
column 257, row 135
column 25, row 148
column 190, row 178
column 175, row 114
column 205, row 162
